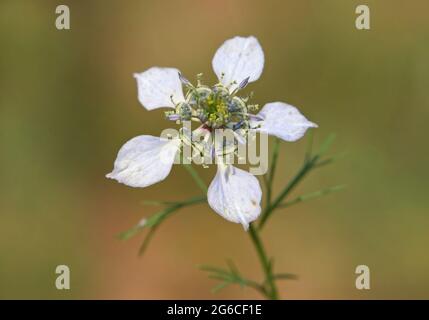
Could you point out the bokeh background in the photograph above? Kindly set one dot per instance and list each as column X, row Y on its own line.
column 68, row 102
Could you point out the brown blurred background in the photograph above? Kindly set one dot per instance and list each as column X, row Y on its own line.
column 68, row 102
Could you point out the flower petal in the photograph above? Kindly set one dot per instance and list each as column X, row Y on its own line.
column 283, row 121
column 144, row 160
column 156, row 85
column 237, row 59
column 235, row 194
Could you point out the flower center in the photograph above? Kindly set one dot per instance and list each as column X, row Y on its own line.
column 215, row 107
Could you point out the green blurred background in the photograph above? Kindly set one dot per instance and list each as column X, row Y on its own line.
column 68, row 102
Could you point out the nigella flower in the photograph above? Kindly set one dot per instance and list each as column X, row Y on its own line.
column 234, row 194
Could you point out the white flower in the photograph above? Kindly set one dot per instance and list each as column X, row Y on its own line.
column 234, row 194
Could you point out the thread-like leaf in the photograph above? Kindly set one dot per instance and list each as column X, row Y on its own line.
column 285, row 276
column 326, row 144
column 312, row 195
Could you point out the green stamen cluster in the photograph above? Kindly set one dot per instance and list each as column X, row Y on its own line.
column 215, row 107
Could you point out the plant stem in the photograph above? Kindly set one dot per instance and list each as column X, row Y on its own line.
column 271, row 293
column 166, row 213
column 310, row 162
column 308, row 165
column 266, row 265
column 312, row 195
column 196, row 177
column 269, row 182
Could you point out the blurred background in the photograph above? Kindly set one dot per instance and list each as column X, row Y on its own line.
column 68, row 102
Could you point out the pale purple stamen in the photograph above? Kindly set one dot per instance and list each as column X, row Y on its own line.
column 173, row 117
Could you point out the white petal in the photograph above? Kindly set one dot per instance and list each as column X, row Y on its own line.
column 156, row 85
column 237, row 59
column 283, row 121
column 235, row 194
column 144, row 160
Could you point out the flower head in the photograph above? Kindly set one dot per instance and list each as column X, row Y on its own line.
column 234, row 194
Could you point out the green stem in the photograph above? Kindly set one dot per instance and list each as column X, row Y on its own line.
column 168, row 212
column 266, row 266
column 311, row 195
column 196, row 177
column 271, row 293
column 269, row 182
column 308, row 165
